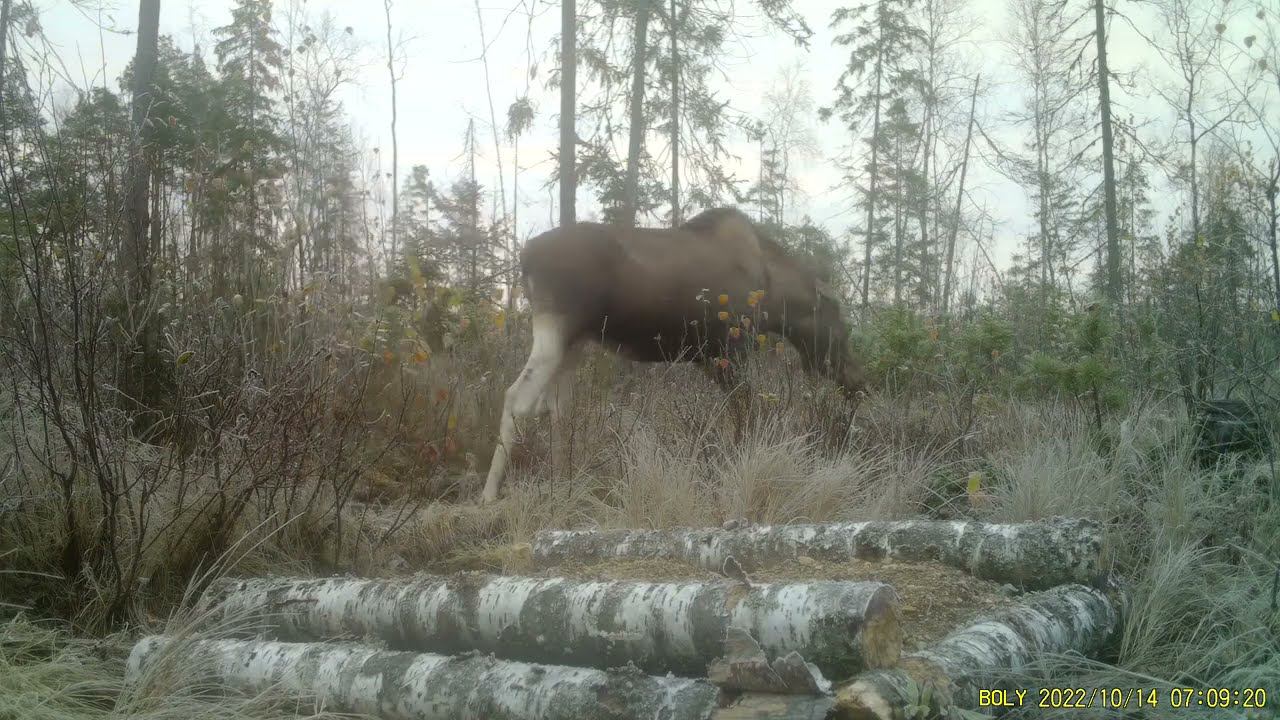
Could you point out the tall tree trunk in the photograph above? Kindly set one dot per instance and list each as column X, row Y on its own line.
column 136, row 260
column 875, row 172
column 1272, row 190
column 1108, row 161
column 639, row 53
column 1195, row 176
column 4, row 37
column 955, row 218
column 675, row 118
column 897, row 223
column 923, row 209
column 395, row 148
column 568, row 95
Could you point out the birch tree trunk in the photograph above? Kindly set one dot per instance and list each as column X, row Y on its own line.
column 1066, row 618
column 412, row 686
column 1034, row 555
column 840, row 627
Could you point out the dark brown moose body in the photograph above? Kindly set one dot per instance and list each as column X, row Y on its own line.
column 656, row 295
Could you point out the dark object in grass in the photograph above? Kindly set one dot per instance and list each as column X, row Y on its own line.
column 1224, row 427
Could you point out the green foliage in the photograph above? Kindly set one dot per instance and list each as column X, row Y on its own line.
column 1087, row 373
column 904, row 352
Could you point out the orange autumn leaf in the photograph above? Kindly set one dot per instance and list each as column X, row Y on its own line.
column 421, row 356
column 442, row 395
column 388, row 356
column 722, row 363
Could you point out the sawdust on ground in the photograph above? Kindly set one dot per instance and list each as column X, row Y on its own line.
column 934, row 599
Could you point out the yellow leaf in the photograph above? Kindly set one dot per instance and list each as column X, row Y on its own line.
column 724, row 316
column 975, row 483
column 453, row 422
column 1275, row 316
column 185, row 357
column 421, row 356
column 724, row 299
column 762, row 339
column 500, row 319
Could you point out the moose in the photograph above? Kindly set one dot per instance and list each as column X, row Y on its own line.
column 656, row 295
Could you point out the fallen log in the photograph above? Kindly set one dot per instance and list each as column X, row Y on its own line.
column 413, row 686
column 1066, row 618
column 1033, row 555
column 416, row 686
column 840, row 627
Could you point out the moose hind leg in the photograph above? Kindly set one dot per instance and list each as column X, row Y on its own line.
column 524, row 395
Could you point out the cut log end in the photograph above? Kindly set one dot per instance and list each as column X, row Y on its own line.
column 1070, row 618
column 881, row 636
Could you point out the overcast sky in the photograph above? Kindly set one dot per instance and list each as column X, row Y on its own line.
column 443, row 85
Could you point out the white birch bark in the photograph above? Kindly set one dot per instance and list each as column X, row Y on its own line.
column 841, row 627
column 1067, row 618
column 412, row 686
column 1033, row 555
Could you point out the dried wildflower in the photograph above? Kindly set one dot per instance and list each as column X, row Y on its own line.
column 724, row 316
column 746, row 322
column 389, row 356
column 421, row 356
column 762, row 339
column 722, row 363
column 724, row 299
column 735, row 333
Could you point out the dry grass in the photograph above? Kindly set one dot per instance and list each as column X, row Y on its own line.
column 654, row 447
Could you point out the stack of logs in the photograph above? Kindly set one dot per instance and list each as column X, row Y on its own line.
column 482, row 646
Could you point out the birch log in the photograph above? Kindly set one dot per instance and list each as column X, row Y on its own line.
column 413, row 686
column 841, row 627
column 1066, row 618
column 1033, row 555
